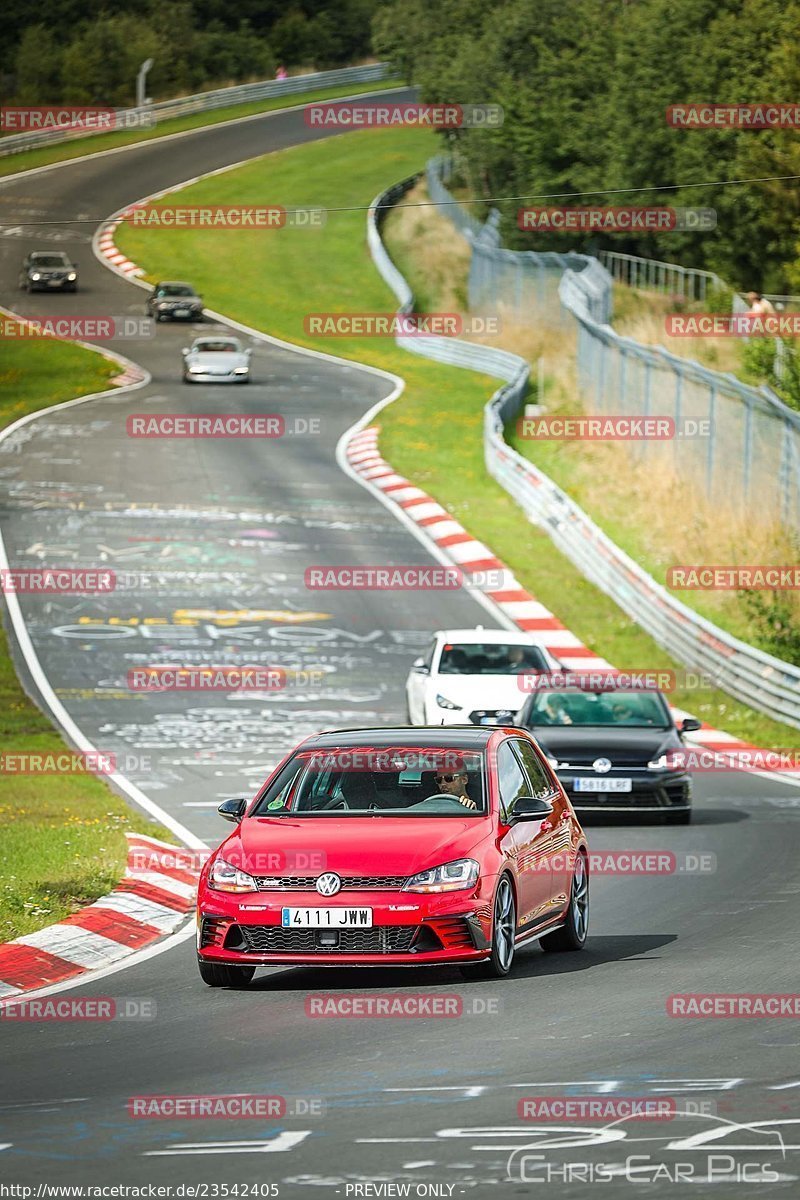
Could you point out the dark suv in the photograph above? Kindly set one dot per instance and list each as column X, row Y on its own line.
column 48, row 270
column 174, row 301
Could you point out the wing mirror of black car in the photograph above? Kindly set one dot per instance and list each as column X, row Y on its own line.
column 689, row 724
column 233, row 810
column 530, row 808
column 419, row 666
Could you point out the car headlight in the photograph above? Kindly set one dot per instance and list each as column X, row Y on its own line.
column 195, row 369
column 36, row 275
column 72, row 276
column 673, row 761
column 450, row 877
column 240, row 370
column 443, row 702
column 164, row 304
column 225, row 877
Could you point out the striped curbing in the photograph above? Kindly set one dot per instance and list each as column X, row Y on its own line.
column 514, row 601
column 153, row 899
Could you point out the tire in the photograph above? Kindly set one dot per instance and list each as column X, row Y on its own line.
column 682, row 817
column 504, row 928
column 572, row 934
column 221, row 975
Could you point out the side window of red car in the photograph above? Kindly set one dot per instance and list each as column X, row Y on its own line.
column 511, row 781
column 540, row 785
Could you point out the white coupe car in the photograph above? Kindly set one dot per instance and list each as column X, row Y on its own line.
column 472, row 676
column 216, row 360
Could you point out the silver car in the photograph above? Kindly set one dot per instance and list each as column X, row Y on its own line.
column 216, row 360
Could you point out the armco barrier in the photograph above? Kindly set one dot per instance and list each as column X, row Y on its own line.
column 756, row 678
column 751, row 445
column 207, row 102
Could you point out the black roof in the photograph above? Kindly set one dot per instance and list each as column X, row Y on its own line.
column 461, row 737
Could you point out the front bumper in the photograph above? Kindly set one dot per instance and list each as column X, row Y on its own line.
column 193, row 377
column 407, row 930
column 651, row 791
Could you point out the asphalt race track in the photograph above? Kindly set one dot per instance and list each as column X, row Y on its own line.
column 213, row 538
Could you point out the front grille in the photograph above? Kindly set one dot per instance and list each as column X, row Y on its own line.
column 308, row 883
column 383, row 939
column 502, row 715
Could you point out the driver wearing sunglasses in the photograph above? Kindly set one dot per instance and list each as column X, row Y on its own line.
column 454, row 783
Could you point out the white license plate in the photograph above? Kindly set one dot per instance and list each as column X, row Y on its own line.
column 326, row 918
column 603, row 785
column 180, row 312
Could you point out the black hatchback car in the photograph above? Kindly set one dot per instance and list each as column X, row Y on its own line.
column 614, row 751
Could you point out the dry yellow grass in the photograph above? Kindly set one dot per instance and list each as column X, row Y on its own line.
column 657, row 512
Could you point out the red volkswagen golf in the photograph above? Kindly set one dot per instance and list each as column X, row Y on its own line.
column 406, row 846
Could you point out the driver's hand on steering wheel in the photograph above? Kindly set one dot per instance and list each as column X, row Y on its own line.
column 467, row 801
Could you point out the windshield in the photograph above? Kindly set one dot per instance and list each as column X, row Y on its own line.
column 378, row 781
column 49, row 260
column 174, row 289
column 642, row 710
column 216, row 347
column 478, row 658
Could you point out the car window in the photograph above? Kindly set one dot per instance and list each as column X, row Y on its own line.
column 540, row 785
column 511, row 781
column 491, row 658
column 377, row 781
column 427, row 657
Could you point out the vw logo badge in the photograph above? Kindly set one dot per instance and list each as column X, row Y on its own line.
column 329, row 885
column 602, row 765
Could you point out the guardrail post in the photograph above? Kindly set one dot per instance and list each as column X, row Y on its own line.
column 747, row 448
column 712, row 409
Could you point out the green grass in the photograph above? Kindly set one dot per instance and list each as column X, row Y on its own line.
column 62, row 841
column 433, row 433
column 12, row 164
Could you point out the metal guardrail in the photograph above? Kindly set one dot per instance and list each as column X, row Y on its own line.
column 204, row 102
column 745, row 440
column 752, row 676
column 649, row 274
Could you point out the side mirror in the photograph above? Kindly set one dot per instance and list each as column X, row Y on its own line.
column 233, row 810
column 529, row 808
column 689, row 724
column 419, row 666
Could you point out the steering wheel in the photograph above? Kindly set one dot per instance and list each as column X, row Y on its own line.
column 331, row 802
column 442, row 796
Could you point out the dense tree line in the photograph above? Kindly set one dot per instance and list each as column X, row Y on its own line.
column 585, row 85
column 88, row 51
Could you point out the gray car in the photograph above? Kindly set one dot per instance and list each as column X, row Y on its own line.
column 216, row 360
column 173, row 300
column 48, row 271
